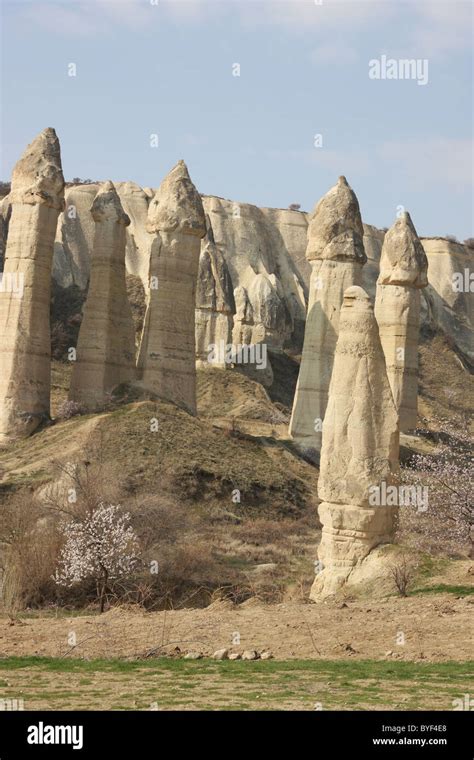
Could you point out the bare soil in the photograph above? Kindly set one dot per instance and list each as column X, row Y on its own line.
column 434, row 628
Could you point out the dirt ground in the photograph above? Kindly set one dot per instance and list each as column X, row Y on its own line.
column 432, row 627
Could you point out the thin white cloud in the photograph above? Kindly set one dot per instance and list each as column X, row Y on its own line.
column 443, row 160
column 443, row 26
column 334, row 54
column 131, row 13
column 60, row 19
column 432, row 26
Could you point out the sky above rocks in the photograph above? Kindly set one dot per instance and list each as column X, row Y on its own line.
column 267, row 101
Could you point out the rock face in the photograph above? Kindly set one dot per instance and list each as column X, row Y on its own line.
column 167, row 363
column 75, row 237
column 263, row 241
column 214, row 304
column 5, row 214
column 445, row 305
column 76, row 229
column 361, row 426
column 336, row 253
column 36, row 198
column 106, row 344
column 403, row 272
column 135, row 201
column 258, row 246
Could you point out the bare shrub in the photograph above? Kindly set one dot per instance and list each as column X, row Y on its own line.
column 29, row 546
column 188, row 573
column 469, row 242
column 79, row 487
column 403, row 572
column 11, row 588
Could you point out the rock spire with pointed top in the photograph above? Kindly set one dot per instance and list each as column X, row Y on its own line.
column 106, row 344
column 336, row 253
column 403, row 272
column 37, row 197
column 360, row 448
column 167, row 357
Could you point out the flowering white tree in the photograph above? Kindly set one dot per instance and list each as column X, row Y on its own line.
column 447, row 473
column 101, row 545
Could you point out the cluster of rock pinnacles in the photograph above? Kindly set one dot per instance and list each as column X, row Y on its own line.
column 357, row 385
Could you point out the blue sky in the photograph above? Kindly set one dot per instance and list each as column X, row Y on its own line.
column 167, row 69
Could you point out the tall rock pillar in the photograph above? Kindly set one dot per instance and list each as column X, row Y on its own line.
column 336, row 253
column 167, row 358
column 360, row 448
column 403, row 272
column 106, row 344
column 37, row 198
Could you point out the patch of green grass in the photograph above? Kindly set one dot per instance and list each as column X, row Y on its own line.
column 359, row 669
column 430, row 566
column 445, row 588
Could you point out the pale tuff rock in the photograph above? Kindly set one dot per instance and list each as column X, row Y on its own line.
column 135, row 202
column 403, row 260
column 221, row 654
column 243, row 319
column 359, row 450
column 373, row 242
column 167, row 363
column 37, row 177
column 177, row 205
column 75, row 237
column 336, row 253
column 76, row 229
column 270, row 241
column 37, row 197
column 448, row 305
column 335, row 230
column 248, row 336
column 106, row 344
column 5, row 213
column 214, row 303
column 263, row 242
column 272, row 320
column 403, row 271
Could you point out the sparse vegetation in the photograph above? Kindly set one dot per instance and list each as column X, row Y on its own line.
column 403, row 572
column 66, row 318
column 177, row 684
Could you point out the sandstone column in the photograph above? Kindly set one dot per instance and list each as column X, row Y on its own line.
column 37, row 198
column 167, row 361
column 336, row 253
column 106, row 344
column 403, row 272
column 359, row 449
